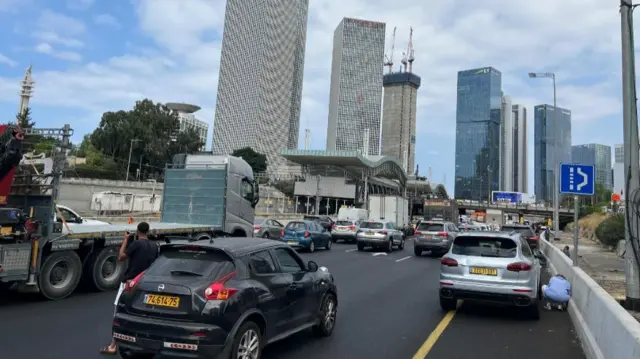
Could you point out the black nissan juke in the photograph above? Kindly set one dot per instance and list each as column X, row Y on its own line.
column 222, row 298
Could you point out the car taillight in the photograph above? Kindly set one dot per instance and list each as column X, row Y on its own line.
column 534, row 238
column 519, row 267
column 334, row 227
column 449, row 262
column 384, row 232
column 257, row 228
column 282, row 233
column 418, row 232
column 132, row 283
column 352, row 228
column 307, row 234
column 218, row 291
column 443, row 234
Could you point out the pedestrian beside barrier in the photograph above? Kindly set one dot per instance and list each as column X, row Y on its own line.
column 605, row 328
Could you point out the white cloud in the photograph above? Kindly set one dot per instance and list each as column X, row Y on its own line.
column 7, row 61
column 577, row 39
column 53, row 38
column 45, row 48
column 107, row 20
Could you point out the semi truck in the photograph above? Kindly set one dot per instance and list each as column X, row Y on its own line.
column 204, row 196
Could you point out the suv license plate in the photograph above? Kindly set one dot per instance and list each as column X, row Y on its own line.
column 484, row 271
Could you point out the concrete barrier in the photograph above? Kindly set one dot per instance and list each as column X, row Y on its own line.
column 605, row 328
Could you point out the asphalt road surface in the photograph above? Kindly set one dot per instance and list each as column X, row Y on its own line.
column 388, row 309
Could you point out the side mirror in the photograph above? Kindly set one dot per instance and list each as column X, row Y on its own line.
column 79, row 220
column 312, row 266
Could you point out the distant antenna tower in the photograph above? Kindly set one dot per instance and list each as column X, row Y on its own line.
column 429, row 174
column 410, row 52
column 26, row 90
column 365, row 143
column 388, row 61
column 307, row 139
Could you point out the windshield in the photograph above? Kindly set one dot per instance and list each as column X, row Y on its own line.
column 485, row 247
column 430, row 227
column 344, row 223
column 371, row 225
column 296, row 226
column 259, row 220
column 525, row 231
column 192, row 262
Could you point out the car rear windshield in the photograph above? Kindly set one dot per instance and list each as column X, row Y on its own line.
column 525, row 231
column 192, row 262
column 485, row 247
column 258, row 220
column 371, row 225
column 430, row 227
column 312, row 218
column 344, row 223
column 296, row 226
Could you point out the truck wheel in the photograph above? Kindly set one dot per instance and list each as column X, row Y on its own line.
column 60, row 275
column 103, row 271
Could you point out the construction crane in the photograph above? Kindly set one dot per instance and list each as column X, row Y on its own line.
column 389, row 59
column 410, row 52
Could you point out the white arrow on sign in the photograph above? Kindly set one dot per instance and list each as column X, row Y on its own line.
column 585, row 179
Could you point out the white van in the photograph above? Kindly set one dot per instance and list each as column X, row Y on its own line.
column 353, row 214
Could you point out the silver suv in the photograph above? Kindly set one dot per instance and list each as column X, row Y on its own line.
column 379, row 234
column 496, row 268
column 434, row 236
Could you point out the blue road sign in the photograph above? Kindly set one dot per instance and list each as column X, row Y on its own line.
column 577, row 179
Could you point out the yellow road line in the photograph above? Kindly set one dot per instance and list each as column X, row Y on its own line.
column 434, row 336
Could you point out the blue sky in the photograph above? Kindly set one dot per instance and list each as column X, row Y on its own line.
column 90, row 57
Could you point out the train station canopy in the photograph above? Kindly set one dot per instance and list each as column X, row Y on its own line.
column 351, row 161
column 425, row 187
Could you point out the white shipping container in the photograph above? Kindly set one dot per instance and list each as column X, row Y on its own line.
column 392, row 208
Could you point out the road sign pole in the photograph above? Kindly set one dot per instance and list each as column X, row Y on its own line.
column 576, row 230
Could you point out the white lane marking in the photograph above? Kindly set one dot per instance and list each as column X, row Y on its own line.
column 401, row 259
column 378, row 254
column 351, row 250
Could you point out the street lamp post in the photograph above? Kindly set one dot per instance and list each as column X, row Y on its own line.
column 130, row 152
column 556, row 164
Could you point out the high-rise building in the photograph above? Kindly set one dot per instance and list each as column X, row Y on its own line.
column 188, row 120
column 550, row 141
column 619, row 183
column 478, row 133
column 520, row 149
column 260, row 79
column 506, row 144
column 619, row 153
column 356, row 86
column 399, row 117
column 597, row 155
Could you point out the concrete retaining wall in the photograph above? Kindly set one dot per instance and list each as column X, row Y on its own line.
column 606, row 329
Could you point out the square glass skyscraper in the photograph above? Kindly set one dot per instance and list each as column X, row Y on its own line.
column 550, row 141
column 478, row 133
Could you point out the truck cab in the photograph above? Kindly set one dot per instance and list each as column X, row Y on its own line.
column 72, row 218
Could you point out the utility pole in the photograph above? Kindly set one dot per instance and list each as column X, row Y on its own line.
column 631, row 155
column 129, row 162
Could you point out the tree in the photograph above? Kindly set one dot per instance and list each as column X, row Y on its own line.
column 257, row 161
column 149, row 130
column 23, row 118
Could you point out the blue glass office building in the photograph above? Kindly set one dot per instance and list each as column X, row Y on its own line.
column 547, row 137
column 597, row 155
column 478, row 133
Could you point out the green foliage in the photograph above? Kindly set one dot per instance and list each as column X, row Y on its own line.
column 611, row 230
column 257, row 161
column 149, row 130
column 287, row 187
column 23, row 118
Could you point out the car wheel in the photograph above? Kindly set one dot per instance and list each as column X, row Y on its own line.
column 389, row 247
column 417, row 251
column 540, row 294
column 327, row 316
column 448, row 304
column 265, row 235
column 312, row 246
column 401, row 245
column 129, row 354
column 360, row 246
column 328, row 245
column 247, row 342
column 533, row 311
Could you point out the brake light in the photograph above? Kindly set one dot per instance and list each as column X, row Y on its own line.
column 334, row 227
column 418, row 233
column 534, row 238
column 132, row 283
column 384, row 232
column 307, row 234
column 443, row 234
column 352, row 228
column 218, row 291
column 282, row 233
column 257, row 228
column 519, row 267
column 449, row 262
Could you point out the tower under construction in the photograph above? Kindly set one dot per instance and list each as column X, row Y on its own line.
column 399, row 109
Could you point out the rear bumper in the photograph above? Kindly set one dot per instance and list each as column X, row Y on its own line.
column 343, row 235
column 431, row 245
column 169, row 339
column 372, row 241
column 488, row 294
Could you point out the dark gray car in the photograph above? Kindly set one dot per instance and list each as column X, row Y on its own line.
column 267, row 228
column 434, row 236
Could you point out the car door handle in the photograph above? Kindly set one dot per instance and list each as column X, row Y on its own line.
column 295, row 286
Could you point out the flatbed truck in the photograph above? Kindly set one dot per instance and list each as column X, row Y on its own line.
column 204, row 196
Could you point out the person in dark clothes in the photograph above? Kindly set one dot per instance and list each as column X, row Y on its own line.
column 141, row 253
